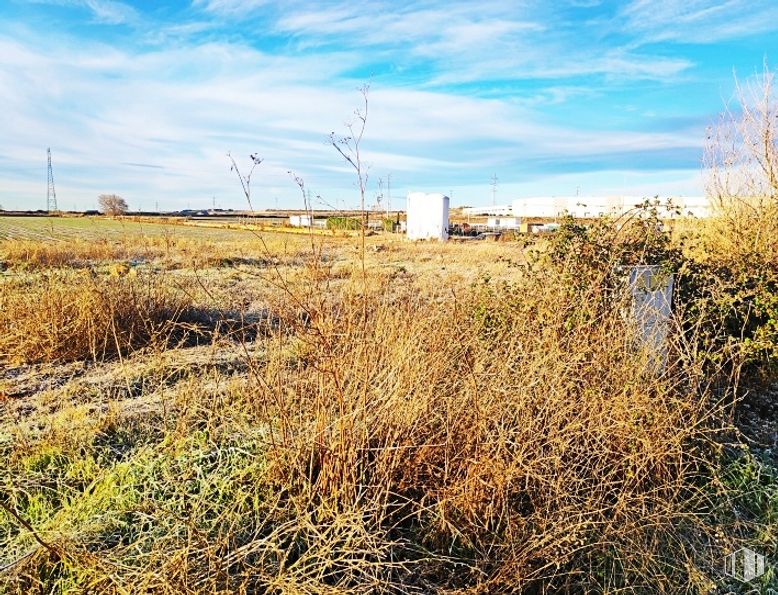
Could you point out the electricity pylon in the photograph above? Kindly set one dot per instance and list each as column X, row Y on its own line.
column 51, row 193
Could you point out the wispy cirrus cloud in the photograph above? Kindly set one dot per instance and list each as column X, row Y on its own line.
column 146, row 165
column 106, row 12
column 468, row 42
column 699, row 21
column 231, row 7
column 111, row 12
column 384, row 23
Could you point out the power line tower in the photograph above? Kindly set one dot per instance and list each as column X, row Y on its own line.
column 51, row 193
column 494, row 189
column 388, row 193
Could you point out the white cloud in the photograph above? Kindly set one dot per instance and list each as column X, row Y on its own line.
column 107, row 12
column 699, row 21
column 231, row 7
column 111, row 12
column 612, row 64
column 471, row 42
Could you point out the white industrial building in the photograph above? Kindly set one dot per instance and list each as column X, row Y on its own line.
column 427, row 216
column 696, row 206
column 599, row 206
column 497, row 210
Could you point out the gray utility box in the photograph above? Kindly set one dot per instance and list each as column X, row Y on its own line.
column 651, row 289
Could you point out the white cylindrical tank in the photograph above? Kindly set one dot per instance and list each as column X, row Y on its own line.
column 427, row 216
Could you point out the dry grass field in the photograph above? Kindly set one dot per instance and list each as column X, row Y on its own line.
column 189, row 410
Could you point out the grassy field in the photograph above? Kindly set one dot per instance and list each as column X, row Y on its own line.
column 189, row 410
column 98, row 228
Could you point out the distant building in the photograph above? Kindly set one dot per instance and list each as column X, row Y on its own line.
column 300, row 220
column 598, row 206
column 503, row 222
column 491, row 210
column 695, row 206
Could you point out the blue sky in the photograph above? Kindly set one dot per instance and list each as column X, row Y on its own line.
column 145, row 98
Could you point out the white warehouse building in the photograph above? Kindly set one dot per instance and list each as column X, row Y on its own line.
column 598, row 206
column 427, row 216
column 497, row 210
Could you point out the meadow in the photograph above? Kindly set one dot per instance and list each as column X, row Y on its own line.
column 189, row 410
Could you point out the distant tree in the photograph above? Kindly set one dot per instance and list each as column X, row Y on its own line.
column 741, row 159
column 112, row 204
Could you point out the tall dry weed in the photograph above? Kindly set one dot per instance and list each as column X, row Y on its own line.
column 497, row 438
column 68, row 315
column 34, row 254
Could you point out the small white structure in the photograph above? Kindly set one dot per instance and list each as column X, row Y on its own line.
column 427, row 216
column 503, row 222
column 300, row 220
